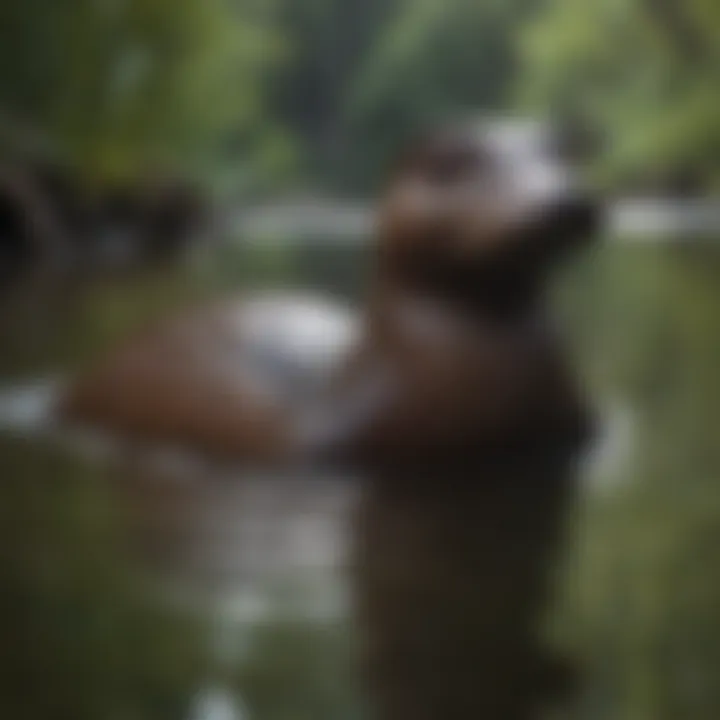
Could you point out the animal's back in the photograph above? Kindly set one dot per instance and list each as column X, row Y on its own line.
column 223, row 380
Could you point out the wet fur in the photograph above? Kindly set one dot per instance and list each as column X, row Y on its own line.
column 468, row 451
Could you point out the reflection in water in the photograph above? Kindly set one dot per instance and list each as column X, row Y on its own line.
column 257, row 561
column 27, row 408
column 216, row 703
column 248, row 548
column 244, row 537
column 649, row 327
column 244, row 549
column 612, row 448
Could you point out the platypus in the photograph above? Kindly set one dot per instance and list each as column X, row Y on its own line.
column 460, row 409
column 448, row 395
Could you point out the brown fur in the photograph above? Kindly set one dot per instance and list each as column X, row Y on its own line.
column 457, row 405
column 467, row 422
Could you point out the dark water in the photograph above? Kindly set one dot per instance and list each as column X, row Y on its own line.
column 153, row 587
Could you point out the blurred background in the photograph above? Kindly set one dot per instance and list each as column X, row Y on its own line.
column 155, row 154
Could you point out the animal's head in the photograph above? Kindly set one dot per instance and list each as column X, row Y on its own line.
column 476, row 207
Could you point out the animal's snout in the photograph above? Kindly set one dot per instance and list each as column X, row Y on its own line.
column 568, row 220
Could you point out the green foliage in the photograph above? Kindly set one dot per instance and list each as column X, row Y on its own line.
column 325, row 90
column 119, row 87
column 362, row 74
column 644, row 72
column 328, row 41
column 431, row 60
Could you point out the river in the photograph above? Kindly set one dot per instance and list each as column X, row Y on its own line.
column 253, row 553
